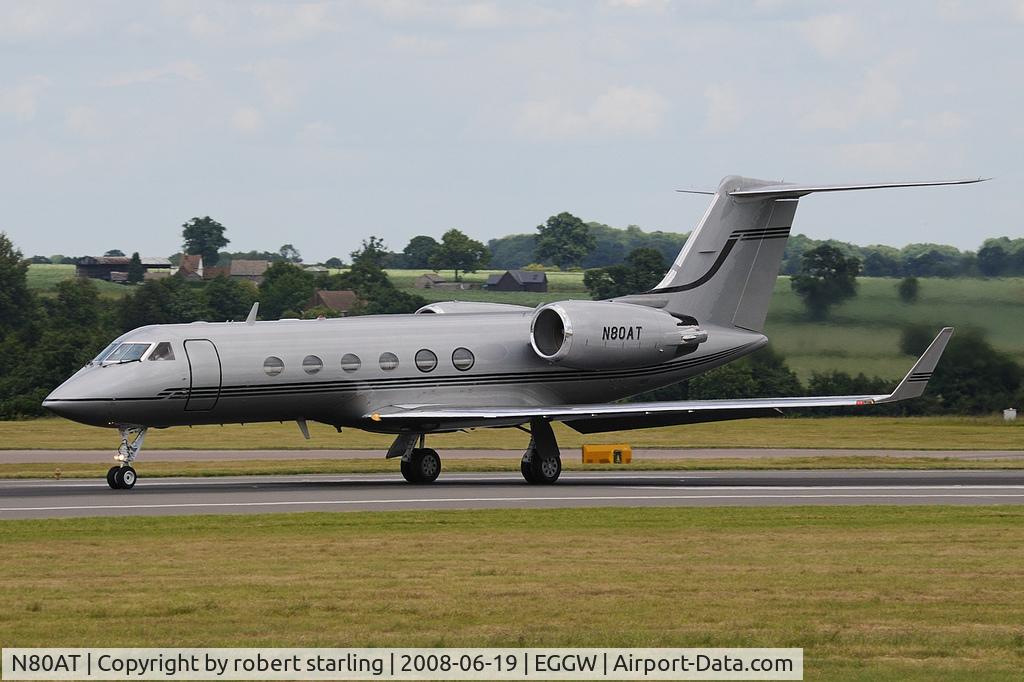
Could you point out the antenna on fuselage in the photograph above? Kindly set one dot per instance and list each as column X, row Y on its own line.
column 251, row 319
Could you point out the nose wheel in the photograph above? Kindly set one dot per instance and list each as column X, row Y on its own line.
column 123, row 476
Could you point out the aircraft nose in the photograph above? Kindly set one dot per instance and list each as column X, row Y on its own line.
column 70, row 403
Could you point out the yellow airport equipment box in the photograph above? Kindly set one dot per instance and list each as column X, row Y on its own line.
column 617, row 453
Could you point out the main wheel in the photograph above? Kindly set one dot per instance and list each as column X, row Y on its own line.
column 526, row 470
column 545, row 469
column 424, row 466
column 111, row 473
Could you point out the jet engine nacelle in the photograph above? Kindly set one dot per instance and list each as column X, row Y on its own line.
column 606, row 334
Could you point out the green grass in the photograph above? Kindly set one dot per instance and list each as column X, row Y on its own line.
column 869, row 593
column 890, row 433
column 378, row 465
column 43, row 279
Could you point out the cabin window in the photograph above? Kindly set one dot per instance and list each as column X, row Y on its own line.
column 426, row 360
column 273, row 366
column 163, row 351
column 350, row 362
column 311, row 364
column 127, row 352
column 463, row 359
column 388, row 361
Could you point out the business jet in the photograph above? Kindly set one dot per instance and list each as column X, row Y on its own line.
column 463, row 365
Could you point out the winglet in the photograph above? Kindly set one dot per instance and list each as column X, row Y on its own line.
column 914, row 383
column 251, row 319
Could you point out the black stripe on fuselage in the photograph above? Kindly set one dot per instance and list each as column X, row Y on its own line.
column 450, row 381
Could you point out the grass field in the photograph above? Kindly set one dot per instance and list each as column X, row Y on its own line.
column 889, row 433
column 870, row 593
column 860, row 336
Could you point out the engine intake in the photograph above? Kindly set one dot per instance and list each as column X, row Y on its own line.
column 607, row 334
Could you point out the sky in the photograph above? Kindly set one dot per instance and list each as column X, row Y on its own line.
column 321, row 123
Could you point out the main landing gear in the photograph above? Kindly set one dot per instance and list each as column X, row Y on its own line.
column 419, row 464
column 123, row 476
column 542, row 462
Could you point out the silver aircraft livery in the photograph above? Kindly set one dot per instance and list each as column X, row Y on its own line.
column 461, row 365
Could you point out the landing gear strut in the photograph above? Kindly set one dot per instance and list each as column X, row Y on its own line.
column 123, row 476
column 542, row 462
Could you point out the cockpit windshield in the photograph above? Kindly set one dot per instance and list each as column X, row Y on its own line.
column 125, row 352
column 104, row 353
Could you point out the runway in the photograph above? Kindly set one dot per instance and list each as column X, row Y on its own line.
column 23, row 499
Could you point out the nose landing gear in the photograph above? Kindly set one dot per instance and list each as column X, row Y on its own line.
column 123, row 476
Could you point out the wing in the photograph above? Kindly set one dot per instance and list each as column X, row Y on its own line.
column 784, row 191
column 615, row 416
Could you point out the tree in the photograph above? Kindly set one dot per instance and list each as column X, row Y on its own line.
column 419, row 250
column 204, row 236
column 642, row 270
column 286, row 289
column 334, row 262
column 458, row 252
column 115, row 252
column 826, row 278
column 228, row 299
column 290, row 253
column 171, row 300
column 564, row 240
column 15, row 298
column 136, row 273
column 909, row 289
column 993, row 259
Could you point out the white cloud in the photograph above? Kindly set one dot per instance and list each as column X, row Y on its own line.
column 724, row 111
column 84, row 121
column 43, row 20
column 247, row 120
column 884, row 156
column 279, row 81
column 22, row 100
column 657, row 5
column 879, row 94
column 419, row 45
column 616, row 111
column 317, row 132
column 832, row 35
column 186, row 70
column 944, row 122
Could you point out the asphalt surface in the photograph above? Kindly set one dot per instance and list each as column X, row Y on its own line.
column 21, row 499
column 150, row 455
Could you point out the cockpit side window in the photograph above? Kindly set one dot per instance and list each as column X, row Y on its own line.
column 163, row 351
column 126, row 352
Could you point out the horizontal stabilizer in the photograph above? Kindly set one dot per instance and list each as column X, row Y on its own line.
column 793, row 191
column 594, row 418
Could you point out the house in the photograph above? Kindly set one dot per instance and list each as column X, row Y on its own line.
column 518, row 280
column 103, row 267
column 251, row 270
column 338, row 301
column 428, row 280
column 190, row 267
column 317, row 269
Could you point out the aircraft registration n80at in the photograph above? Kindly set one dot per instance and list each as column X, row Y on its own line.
column 461, row 365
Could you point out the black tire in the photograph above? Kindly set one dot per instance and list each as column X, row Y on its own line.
column 424, row 466
column 545, row 470
column 527, row 470
column 111, row 481
column 408, row 472
column 127, row 478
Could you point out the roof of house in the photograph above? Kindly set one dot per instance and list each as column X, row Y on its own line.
column 249, row 268
column 342, row 301
column 149, row 261
column 190, row 262
column 524, row 276
column 494, row 279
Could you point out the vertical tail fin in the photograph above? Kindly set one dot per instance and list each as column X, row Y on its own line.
column 726, row 271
